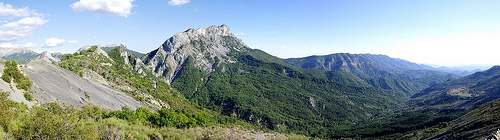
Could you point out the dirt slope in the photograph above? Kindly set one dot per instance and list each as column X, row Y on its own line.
column 57, row 84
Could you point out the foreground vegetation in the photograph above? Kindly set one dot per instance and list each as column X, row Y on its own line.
column 51, row 121
column 12, row 73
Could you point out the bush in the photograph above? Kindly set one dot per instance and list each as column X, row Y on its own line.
column 66, row 57
column 51, row 121
column 11, row 73
column 4, row 135
column 28, row 96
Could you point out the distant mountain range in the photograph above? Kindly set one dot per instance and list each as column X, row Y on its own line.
column 378, row 70
column 25, row 55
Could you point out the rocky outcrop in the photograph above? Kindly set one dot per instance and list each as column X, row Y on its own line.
column 130, row 60
column 205, row 45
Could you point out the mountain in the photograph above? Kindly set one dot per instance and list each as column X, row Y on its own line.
column 464, row 93
column 216, row 70
column 394, row 64
column 379, row 71
column 367, row 65
column 206, row 45
column 343, row 62
column 110, row 47
column 20, row 55
column 26, row 56
column 49, row 57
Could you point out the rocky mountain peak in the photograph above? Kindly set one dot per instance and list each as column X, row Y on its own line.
column 212, row 33
column 204, row 45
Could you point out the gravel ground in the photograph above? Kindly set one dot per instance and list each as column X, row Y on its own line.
column 57, row 84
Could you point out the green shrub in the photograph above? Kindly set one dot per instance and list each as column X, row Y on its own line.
column 4, row 135
column 66, row 57
column 28, row 96
column 11, row 73
column 112, row 128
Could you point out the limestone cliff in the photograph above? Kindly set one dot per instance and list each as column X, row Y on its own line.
column 205, row 45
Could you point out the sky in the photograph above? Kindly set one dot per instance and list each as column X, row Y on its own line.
column 438, row 32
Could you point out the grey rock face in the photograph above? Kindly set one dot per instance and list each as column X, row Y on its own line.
column 203, row 44
column 58, row 84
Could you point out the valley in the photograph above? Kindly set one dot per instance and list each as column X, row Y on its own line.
column 208, row 80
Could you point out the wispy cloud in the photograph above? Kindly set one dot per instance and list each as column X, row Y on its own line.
column 73, row 41
column 19, row 22
column 54, row 42
column 272, row 32
column 240, row 34
column 105, row 7
column 177, row 2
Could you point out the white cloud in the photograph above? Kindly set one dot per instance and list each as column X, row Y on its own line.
column 177, row 2
column 10, row 45
column 14, row 30
column 9, row 10
column 105, row 7
column 54, row 42
column 73, row 41
column 240, row 34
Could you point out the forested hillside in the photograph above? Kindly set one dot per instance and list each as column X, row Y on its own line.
column 464, row 93
column 379, row 71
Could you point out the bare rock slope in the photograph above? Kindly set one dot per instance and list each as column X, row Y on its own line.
column 58, row 84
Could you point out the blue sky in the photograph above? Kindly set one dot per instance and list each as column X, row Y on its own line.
column 444, row 32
